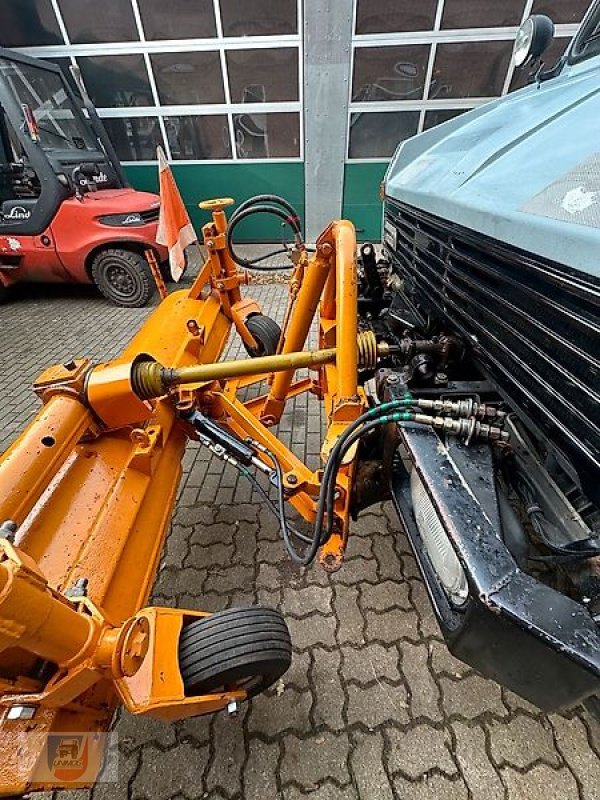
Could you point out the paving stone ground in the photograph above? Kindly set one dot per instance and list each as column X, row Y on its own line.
column 373, row 707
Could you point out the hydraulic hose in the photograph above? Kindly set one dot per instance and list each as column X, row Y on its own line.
column 365, row 423
column 261, row 199
column 289, row 218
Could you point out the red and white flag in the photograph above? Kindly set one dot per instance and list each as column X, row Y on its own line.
column 175, row 229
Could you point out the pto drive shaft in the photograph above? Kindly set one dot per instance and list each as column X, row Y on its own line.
column 150, row 379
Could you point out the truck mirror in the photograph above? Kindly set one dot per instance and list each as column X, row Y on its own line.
column 533, row 39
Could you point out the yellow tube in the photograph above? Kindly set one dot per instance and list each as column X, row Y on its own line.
column 251, row 366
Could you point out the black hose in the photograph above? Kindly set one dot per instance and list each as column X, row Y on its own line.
column 276, row 510
column 356, row 430
column 267, row 198
column 286, row 528
column 290, row 219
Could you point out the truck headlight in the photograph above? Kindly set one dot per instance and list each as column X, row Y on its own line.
column 437, row 544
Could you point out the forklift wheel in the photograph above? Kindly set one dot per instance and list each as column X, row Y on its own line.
column 240, row 648
column 123, row 277
column 266, row 332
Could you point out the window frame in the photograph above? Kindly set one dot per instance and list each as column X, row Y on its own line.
column 220, row 44
column 591, row 23
column 434, row 37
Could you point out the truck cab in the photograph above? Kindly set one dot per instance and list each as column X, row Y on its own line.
column 491, row 233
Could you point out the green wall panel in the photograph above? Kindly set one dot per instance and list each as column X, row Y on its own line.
column 361, row 198
column 238, row 180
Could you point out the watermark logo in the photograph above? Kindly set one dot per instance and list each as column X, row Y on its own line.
column 67, row 756
column 77, row 759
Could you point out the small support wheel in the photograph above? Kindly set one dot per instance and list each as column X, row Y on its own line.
column 239, row 648
column 266, row 332
column 123, row 277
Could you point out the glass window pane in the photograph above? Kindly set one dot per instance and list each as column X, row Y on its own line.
column 259, row 17
column 482, row 13
column 116, row 80
column 263, row 76
column 389, row 16
column 562, row 11
column 134, row 139
column 377, row 134
column 198, row 138
column 65, row 64
column 389, row 73
column 470, row 69
column 186, row 19
column 522, row 77
column 61, row 127
column 101, row 21
column 267, row 135
column 29, row 22
column 433, row 118
column 188, row 78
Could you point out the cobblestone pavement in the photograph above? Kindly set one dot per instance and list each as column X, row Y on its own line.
column 373, row 706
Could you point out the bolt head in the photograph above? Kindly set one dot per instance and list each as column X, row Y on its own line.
column 292, row 479
column 233, row 708
column 8, row 530
column 392, row 379
column 21, row 712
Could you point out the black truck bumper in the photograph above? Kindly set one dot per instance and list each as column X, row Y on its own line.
column 514, row 629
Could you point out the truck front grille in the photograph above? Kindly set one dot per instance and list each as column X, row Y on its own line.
column 533, row 324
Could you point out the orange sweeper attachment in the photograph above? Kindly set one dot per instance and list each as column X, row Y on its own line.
column 88, row 489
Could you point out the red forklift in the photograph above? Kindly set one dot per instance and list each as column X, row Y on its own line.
column 67, row 212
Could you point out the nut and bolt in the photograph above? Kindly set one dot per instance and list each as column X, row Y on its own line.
column 8, row 530
column 21, row 712
column 79, row 588
column 392, row 379
column 233, row 708
column 292, row 479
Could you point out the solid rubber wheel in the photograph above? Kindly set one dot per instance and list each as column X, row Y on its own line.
column 266, row 332
column 123, row 277
column 240, row 648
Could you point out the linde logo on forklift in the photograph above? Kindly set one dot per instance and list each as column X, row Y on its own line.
column 16, row 213
column 101, row 177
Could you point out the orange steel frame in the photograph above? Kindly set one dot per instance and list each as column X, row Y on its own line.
column 91, row 485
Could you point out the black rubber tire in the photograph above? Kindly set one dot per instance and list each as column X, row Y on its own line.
column 246, row 648
column 266, row 332
column 123, row 277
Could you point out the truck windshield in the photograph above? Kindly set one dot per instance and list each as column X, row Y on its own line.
column 587, row 41
column 60, row 125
